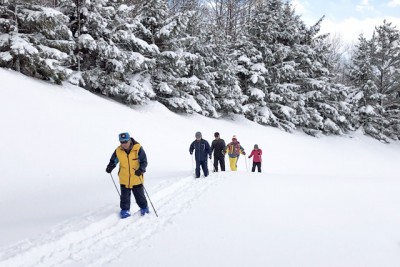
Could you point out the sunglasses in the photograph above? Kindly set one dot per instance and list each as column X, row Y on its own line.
column 124, row 142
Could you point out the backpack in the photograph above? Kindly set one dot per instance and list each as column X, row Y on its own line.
column 234, row 149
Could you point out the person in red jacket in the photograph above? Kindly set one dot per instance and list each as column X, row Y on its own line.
column 256, row 154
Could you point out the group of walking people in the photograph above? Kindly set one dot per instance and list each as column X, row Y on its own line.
column 219, row 149
column 132, row 161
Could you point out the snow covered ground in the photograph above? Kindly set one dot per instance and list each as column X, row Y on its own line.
column 332, row 201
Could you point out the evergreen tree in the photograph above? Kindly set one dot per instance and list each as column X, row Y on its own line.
column 325, row 100
column 34, row 40
column 174, row 77
column 215, row 66
column 375, row 74
column 284, row 69
column 109, row 58
column 386, row 61
column 260, row 56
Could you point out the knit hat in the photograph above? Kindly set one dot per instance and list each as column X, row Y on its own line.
column 234, row 138
column 255, row 146
column 198, row 135
column 123, row 137
column 216, row 134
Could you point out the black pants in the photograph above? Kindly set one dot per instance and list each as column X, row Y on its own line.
column 258, row 164
column 138, row 193
column 221, row 160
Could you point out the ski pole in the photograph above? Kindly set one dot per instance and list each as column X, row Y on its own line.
column 211, row 163
column 216, row 164
column 247, row 168
column 112, row 178
column 140, row 177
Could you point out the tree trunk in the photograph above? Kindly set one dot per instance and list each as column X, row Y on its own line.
column 16, row 32
column 78, row 13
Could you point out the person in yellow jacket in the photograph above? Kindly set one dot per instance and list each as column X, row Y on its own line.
column 132, row 164
column 234, row 149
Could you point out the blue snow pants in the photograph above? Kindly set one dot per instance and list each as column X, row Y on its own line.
column 203, row 164
column 138, row 193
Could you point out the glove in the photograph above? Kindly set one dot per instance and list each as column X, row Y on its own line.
column 248, row 156
column 138, row 172
column 191, row 153
column 109, row 168
column 244, row 153
column 223, row 152
column 209, row 156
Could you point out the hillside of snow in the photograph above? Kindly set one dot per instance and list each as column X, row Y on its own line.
column 331, row 201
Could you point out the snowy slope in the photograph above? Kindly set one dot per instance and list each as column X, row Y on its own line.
column 331, row 201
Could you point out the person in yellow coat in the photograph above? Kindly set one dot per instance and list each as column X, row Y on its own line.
column 132, row 165
column 234, row 149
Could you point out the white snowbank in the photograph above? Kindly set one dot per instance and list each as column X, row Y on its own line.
column 331, row 201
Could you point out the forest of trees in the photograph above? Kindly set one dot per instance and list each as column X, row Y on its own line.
column 213, row 57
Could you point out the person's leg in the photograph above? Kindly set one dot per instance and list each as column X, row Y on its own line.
column 215, row 164
column 204, row 167
column 222, row 163
column 197, row 168
column 259, row 166
column 125, row 201
column 138, row 193
column 232, row 163
column 254, row 167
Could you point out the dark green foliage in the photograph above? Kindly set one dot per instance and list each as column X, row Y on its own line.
column 35, row 41
column 256, row 58
column 375, row 74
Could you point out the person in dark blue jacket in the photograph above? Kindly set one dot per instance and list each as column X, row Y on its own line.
column 203, row 151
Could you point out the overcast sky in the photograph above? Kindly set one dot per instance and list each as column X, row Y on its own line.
column 349, row 18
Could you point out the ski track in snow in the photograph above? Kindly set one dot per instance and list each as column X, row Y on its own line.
column 100, row 237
